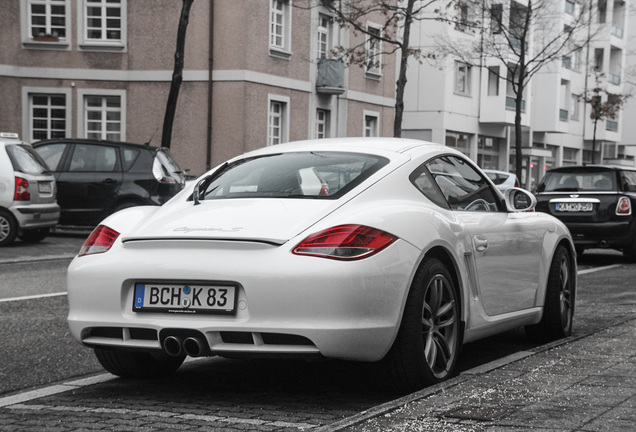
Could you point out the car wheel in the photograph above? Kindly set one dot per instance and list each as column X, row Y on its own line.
column 429, row 339
column 630, row 252
column 558, row 309
column 34, row 235
column 138, row 364
column 8, row 228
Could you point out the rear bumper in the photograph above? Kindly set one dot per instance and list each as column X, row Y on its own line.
column 608, row 234
column 36, row 215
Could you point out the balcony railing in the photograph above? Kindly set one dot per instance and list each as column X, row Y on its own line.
column 617, row 31
column 330, row 79
column 511, row 103
column 564, row 115
column 611, row 126
column 614, row 79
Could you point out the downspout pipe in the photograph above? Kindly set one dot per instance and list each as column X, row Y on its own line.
column 208, row 158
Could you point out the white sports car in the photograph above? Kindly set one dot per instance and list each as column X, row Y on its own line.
column 362, row 249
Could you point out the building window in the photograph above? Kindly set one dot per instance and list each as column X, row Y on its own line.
column 374, row 50
column 496, row 17
column 280, row 28
column 371, row 123
column 598, row 59
column 277, row 121
column 493, row 81
column 464, row 15
column 574, row 107
column 458, row 141
column 103, row 117
column 488, row 152
column 323, row 119
column 462, row 78
column 569, row 7
column 48, row 116
column 47, row 20
column 103, row 24
column 324, row 36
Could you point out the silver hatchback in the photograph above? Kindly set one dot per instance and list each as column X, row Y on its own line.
column 28, row 207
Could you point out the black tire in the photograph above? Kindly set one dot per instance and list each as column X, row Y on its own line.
column 34, row 235
column 429, row 340
column 558, row 309
column 630, row 252
column 138, row 364
column 8, row 228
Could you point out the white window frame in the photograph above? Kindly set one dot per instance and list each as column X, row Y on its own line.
column 27, row 117
column 323, row 123
column 373, row 48
column 282, row 117
column 82, row 118
column 465, row 88
column 324, row 36
column 280, row 20
column 103, row 43
column 49, row 40
column 370, row 130
column 574, row 107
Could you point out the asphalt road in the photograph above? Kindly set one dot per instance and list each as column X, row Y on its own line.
column 38, row 351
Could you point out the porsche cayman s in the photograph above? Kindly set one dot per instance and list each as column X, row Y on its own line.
column 378, row 250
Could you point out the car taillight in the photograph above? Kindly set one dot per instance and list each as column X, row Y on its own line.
column 345, row 242
column 101, row 239
column 624, row 206
column 21, row 190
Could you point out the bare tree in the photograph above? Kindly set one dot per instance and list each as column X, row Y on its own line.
column 177, row 75
column 522, row 37
column 393, row 37
column 603, row 105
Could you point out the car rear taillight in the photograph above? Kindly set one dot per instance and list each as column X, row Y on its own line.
column 101, row 239
column 21, row 190
column 624, row 206
column 345, row 242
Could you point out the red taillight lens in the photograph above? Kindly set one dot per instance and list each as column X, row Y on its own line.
column 100, row 240
column 345, row 242
column 21, row 190
column 624, row 206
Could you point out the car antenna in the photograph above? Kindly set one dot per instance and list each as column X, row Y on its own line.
column 151, row 136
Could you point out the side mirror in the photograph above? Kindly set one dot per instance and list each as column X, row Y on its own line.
column 519, row 200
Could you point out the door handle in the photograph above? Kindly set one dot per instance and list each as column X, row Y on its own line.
column 481, row 243
column 109, row 181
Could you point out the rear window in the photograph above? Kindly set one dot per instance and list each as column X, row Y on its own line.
column 316, row 175
column 629, row 180
column 25, row 160
column 576, row 181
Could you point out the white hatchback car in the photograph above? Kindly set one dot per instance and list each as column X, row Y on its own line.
column 28, row 207
column 405, row 252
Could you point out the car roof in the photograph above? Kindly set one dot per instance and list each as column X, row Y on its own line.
column 591, row 166
column 91, row 141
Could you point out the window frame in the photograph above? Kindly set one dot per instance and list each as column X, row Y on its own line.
column 467, row 79
column 47, row 41
column 373, row 50
column 82, row 120
column 375, row 127
column 282, row 49
column 324, row 124
column 283, row 127
column 27, row 117
column 325, row 32
column 103, row 44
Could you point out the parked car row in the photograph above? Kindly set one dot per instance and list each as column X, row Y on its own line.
column 77, row 182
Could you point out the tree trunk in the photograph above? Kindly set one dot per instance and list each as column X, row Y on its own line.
column 401, row 82
column 177, row 75
column 594, row 142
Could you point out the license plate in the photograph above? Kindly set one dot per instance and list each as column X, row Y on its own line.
column 574, row 207
column 45, row 188
column 184, row 298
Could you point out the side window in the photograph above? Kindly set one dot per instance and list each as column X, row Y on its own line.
column 629, row 180
column 129, row 157
column 462, row 186
column 52, row 154
column 423, row 181
column 92, row 158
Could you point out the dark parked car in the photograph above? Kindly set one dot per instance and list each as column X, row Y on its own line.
column 97, row 178
column 596, row 203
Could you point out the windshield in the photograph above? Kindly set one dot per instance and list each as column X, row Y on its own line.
column 321, row 175
column 25, row 160
column 592, row 180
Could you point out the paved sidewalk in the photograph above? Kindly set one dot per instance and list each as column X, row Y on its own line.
column 58, row 245
column 578, row 384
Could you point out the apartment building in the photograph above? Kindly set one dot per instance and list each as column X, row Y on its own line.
column 471, row 105
column 256, row 73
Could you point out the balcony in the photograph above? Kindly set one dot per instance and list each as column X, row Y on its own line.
column 330, row 79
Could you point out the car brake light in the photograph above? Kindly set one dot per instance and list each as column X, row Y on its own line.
column 345, row 242
column 21, row 190
column 624, row 206
column 101, row 240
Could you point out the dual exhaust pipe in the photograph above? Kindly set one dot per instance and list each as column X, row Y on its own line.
column 194, row 346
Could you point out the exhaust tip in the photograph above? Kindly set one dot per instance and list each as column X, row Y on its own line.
column 193, row 347
column 172, row 346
